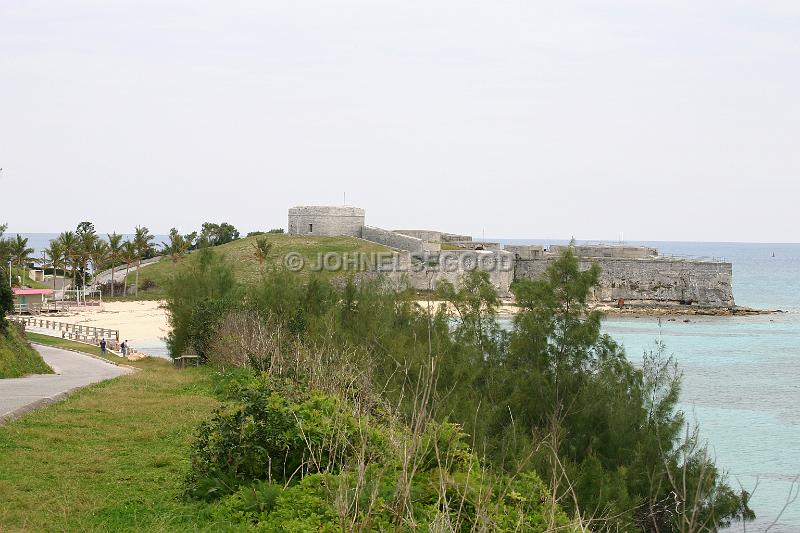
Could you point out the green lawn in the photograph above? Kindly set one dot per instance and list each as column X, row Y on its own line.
column 247, row 267
column 17, row 359
column 111, row 457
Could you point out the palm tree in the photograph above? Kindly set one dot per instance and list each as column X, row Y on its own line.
column 114, row 254
column 70, row 246
column 261, row 249
column 129, row 256
column 20, row 252
column 87, row 238
column 83, row 256
column 177, row 247
column 99, row 255
column 142, row 241
column 55, row 254
column 5, row 247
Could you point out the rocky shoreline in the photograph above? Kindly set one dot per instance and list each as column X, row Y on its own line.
column 507, row 307
column 658, row 310
column 681, row 310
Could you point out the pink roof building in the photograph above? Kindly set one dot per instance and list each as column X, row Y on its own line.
column 31, row 292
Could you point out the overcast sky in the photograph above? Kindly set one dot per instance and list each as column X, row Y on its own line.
column 519, row 119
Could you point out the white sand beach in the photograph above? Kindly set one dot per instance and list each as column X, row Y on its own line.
column 143, row 324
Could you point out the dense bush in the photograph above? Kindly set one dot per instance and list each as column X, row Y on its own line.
column 6, row 303
column 552, row 396
column 316, row 462
column 198, row 297
column 265, row 435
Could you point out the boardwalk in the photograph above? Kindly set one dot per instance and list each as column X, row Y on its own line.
column 73, row 371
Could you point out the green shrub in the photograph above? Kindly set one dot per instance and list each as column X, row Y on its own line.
column 264, row 435
column 304, row 506
column 199, row 296
column 282, row 458
column 6, row 302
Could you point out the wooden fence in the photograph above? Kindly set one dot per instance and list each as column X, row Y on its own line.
column 78, row 332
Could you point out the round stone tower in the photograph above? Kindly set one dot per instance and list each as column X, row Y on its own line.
column 326, row 221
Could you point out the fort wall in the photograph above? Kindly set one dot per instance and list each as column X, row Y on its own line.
column 606, row 250
column 393, row 239
column 451, row 265
column 631, row 273
column 423, row 234
column 525, row 251
column 656, row 280
column 326, row 221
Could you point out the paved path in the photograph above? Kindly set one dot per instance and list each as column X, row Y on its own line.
column 73, row 370
column 119, row 272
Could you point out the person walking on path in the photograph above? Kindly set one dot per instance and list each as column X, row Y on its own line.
column 103, row 346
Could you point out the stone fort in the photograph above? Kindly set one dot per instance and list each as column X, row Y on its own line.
column 635, row 274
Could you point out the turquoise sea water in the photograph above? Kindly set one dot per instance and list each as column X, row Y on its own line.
column 741, row 374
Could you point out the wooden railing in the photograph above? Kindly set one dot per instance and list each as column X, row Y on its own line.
column 69, row 331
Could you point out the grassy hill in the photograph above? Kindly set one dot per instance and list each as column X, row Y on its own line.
column 17, row 358
column 247, row 267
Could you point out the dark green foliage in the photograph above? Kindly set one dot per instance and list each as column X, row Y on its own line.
column 283, row 460
column 178, row 245
column 553, row 396
column 615, row 427
column 265, row 435
column 212, row 234
column 198, row 298
column 6, row 303
column 295, row 304
column 5, row 249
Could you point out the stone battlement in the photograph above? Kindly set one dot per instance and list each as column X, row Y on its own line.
column 326, row 221
column 630, row 273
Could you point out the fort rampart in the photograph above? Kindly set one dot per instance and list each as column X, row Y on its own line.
column 654, row 280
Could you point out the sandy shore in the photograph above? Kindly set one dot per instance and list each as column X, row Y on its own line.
column 136, row 321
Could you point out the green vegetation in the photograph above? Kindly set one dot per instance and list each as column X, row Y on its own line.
column 285, row 457
column 79, row 255
column 16, row 253
column 249, row 264
column 17, row 358
column 553, row 399
column 351, row 407
column 111, row 457
column 212, row 234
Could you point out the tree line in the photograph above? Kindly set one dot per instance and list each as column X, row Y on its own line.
column 80, row 254
column 548, row 395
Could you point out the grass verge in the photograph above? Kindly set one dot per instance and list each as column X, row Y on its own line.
column 111, row 457
column 17, row 358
